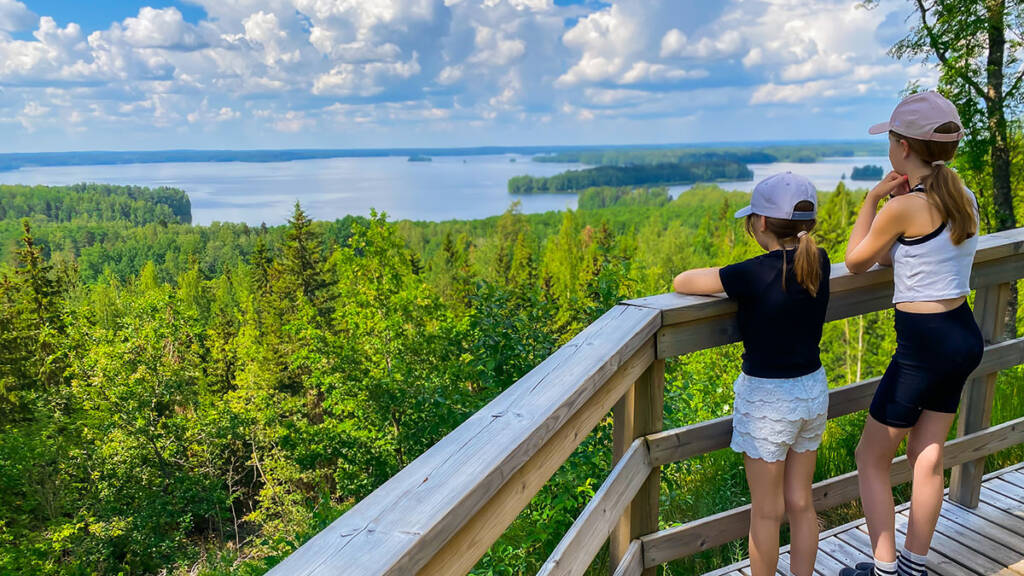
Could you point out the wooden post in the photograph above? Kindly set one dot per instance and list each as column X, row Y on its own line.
column 638, row 414
column 976, row 404
column 622, row 435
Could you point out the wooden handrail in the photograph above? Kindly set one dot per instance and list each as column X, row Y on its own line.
column 441, row 513
column 403, row 524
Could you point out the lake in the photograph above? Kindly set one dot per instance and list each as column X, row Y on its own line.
column 454, row 187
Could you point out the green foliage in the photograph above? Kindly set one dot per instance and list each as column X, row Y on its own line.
column 203, row 400
column 870, row 172
column 705, row 170
column 606, row 197
column 95, row 202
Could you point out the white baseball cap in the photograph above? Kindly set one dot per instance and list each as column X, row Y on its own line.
column 777, row 195
column 918, row 115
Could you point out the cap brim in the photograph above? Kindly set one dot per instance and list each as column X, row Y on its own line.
column 744, row 212
column 881, row 128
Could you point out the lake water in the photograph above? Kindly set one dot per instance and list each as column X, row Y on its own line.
column 825, row 174
column 448, row 188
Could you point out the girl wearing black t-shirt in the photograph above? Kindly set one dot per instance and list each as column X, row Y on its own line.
column 781, row 401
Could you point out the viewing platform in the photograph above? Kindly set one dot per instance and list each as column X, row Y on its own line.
column 987, row 539
column 443, row 511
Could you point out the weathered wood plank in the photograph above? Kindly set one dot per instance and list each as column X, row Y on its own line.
column 1015, row 478
column 843, row 553
column 826, row 565
column 649, row 407
column 1002, row 503
column 689, row 441
column 976, row 404
column 966, row 520
column 997, row 516
column 939, row 561
column 955, row 550
column 587, row 534
column 711, row 531
column 991, row 549
column 632, row 563
column 402, row 524
column 462, row 551
column 623, row 434
column 1006, row 489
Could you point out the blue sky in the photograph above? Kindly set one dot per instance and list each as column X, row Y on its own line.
column 148, row 74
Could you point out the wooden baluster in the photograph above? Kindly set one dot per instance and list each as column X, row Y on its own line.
column 976, row 405
column 622, row 435
column 639, row 413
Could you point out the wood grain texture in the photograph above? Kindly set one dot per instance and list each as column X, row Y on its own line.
column 463, row 550
column 587, row 534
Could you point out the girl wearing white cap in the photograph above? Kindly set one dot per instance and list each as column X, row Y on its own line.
column 781, row 401
column 928, row 233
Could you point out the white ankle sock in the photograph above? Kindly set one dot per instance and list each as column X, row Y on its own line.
column 911, row 564
column 884, row 568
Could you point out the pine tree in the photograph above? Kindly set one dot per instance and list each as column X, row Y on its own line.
column 302, row 263
column 261, row 262
column 34, row 274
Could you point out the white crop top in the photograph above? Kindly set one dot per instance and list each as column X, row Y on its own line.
column 931, row 267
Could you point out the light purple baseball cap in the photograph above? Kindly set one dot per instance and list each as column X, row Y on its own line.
column 776, row 195
column 918, row 115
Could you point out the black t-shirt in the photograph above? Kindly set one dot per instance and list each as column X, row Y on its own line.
column 781, row 329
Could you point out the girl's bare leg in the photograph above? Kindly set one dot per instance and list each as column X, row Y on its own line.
column 924, row 453
column 877, row 446
column 768, row 508
column 803, row 520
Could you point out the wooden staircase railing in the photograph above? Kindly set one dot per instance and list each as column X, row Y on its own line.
column 442, row 512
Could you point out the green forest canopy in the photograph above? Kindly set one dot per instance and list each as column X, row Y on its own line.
column 689, row 172
column 203, row 399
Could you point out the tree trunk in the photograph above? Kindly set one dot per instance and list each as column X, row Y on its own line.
column 1002, row 194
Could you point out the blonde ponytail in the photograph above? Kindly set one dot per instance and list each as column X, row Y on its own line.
column 945, row 186
column 808, row 264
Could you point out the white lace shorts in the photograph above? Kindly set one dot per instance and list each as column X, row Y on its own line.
column 773, row 415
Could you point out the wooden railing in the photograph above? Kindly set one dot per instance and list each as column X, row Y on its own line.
column 442, row 512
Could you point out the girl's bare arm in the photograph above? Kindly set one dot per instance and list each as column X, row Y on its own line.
column 698, row 281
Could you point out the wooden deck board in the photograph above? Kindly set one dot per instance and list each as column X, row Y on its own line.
column 983, row 541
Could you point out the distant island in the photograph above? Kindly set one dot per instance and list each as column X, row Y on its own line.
column 420, row 158
column 666, row 174
column 869, row 172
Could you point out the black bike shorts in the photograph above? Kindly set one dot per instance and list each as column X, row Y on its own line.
column 935, row 353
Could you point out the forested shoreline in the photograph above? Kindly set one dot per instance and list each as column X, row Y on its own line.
column 179, row 399
column 714, row 169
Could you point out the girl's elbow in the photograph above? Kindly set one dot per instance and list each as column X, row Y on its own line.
column 679, row 283
column 856, row 267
